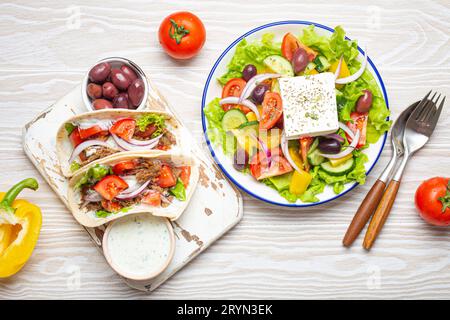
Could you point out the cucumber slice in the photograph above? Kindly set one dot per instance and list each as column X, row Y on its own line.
column 232, row 119
column 315, row 158
column 279, row 65
column 322, row 63
column 314, row 145
column 339, row 170
column 275, row 86
column 249, row 125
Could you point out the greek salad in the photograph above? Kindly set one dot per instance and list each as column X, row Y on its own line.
column 297, row 115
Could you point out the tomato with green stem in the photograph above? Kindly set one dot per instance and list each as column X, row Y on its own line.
column 432, row 200
column 182, row 35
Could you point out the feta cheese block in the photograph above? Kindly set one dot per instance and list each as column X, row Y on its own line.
column 309, row 105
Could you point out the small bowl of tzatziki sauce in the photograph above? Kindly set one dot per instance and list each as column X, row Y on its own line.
column 139, row 246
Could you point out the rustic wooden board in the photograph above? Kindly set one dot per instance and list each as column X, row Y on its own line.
column 272, row 253
column 204, row 220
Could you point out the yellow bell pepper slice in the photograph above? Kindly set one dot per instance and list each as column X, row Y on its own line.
column 251, row 116
column 336, row 162
column 299, row 182
column 295, row 156
column 311, row 72
column 20, row 224
column 345, row 72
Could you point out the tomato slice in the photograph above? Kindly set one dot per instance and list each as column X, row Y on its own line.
column 91, row 131
column 271, row 110
column 110, row 186
column 233, row 88
column 123, row 166
column 305, row 144
column 124, row 128
column 111, row 206
column 260, row 168
column 75, row 138
column 359, row 122
column 153, row 198
column 289, row 45
column 185, row 175
column 166, row 179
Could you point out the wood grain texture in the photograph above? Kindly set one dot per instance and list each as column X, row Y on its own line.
column 272, row 253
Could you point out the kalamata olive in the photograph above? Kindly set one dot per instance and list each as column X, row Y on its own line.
column 109, row 90
column 136, row 92
column 100, row 72
column 259, row 92
column 128, row 72
column 364, row 102
column 94, row 90
column 299, row 60
column 248, row 72
column 121, row 101
column 327, row 145
column 101, row 104
column 119, row 79
column 240, row 159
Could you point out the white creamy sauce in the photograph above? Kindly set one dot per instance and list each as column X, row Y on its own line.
column 139, row 244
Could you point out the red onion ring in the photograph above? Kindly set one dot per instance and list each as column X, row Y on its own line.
column 124, row 195
column 346, row 130
column 253, row 82
column 287, row 155
column 347, row 151
column 357, row 74
column 86, row 144
column 125, row 145
column 247, row 103
column 137, row 142
column 92, row 196
column 338, row 69
column 336, row 137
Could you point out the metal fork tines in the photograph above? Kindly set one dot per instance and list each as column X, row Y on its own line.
column 419, row 127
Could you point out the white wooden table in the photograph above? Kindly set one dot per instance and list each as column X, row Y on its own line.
column 45, row 48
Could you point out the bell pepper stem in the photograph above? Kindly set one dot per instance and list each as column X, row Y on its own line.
column 11, row 194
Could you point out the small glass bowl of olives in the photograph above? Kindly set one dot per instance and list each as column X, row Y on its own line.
column 115, row 83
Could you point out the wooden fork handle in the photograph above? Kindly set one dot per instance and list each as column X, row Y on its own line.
column 381, row 214
column 364, row 212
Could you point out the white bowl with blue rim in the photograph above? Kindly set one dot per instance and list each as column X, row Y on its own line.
column 213, row 89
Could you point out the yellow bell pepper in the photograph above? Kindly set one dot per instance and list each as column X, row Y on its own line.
column 299, row 182
column 20, row 224
column 343, row 73
column 295, row 156
column 336, row 162
column 311, row 72
column 251, row 116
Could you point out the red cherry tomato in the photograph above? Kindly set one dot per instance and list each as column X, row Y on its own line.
column 111, row 206
column 166, row 179
column 359, row 122
column 110, row 186
column 289, row 45
column 260, row 167
column 233, row 88
column 432, row 200
column 152, row 197
column 271, row 110
column 92, row 131
column 185, row 175
column 124, row 128
column 75, row 137
column 182, row 35
column 123, row 166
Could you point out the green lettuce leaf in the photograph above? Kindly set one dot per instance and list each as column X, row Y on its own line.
column 93, row 175
column 157, row 120
column 250, row 53
column 179, row 190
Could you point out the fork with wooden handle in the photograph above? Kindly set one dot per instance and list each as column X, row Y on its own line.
column 418, row 130
column 370, row 202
